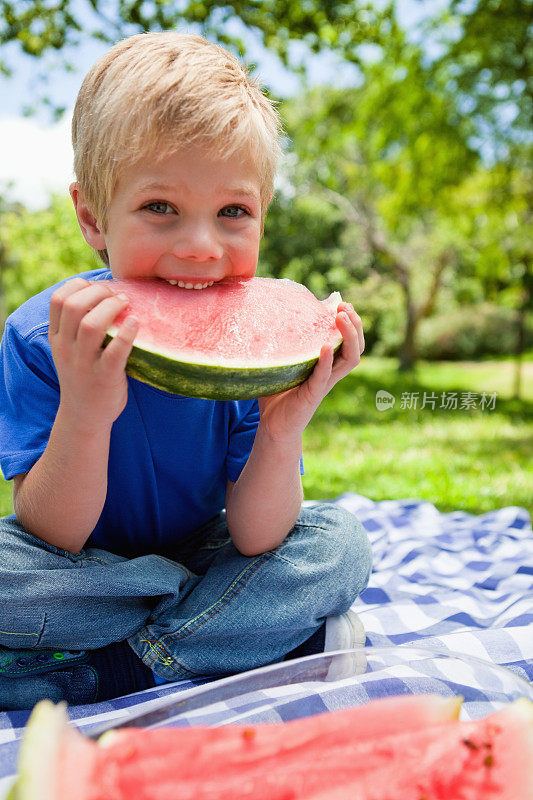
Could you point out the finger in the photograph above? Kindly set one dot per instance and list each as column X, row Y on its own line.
column 319, row 378
column 356, row 320
column 94, row 325
column 116, row 352
column 350, row 353
column 77, row 305
column 58, row 298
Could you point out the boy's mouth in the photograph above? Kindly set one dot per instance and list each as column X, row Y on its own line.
column 189, row 285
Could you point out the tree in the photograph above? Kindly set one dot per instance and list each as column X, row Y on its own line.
column 493, row 216
column 389, row 154
column 487, row 59
column 303, row 242
column 41, row 29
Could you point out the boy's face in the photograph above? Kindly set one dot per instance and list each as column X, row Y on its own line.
column 189, row 218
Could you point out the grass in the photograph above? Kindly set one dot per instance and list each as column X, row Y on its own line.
column 470, row 459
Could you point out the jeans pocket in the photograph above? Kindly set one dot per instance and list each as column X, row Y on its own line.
column 23, row 633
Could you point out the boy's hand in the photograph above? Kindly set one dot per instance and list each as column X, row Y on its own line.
column 92, row 380
column 284, row 416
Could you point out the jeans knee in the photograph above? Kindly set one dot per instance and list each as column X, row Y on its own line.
column 20, row 550
column 341, row 544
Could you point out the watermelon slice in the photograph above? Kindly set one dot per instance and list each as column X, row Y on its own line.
column 234, row 340
column 402, row 748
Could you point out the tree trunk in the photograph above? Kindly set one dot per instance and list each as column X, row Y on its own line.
column 408, row 349
column 525, row 306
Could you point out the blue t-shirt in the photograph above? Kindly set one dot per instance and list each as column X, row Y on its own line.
column 170, row 456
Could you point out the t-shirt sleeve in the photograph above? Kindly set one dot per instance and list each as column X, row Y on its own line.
column 241, row 440
column 29, row 399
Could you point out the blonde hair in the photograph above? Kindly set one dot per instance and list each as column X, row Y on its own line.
column 155, row 92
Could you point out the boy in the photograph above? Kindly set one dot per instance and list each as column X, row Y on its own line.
column 158, row 537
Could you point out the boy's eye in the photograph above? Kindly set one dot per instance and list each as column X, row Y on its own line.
column 159, row 207
column 233, row 211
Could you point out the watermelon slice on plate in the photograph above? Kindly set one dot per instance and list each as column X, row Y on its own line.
column 234, row 340
column 398, row 748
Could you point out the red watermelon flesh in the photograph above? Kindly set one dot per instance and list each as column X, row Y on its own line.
column 203, row 745
column 237, row 323
column 488, row 759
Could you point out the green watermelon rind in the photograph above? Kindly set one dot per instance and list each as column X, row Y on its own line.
column 39, row 752
column 214, row 382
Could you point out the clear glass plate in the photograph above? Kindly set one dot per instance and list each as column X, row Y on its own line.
column 331, row 681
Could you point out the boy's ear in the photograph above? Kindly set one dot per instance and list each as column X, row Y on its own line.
column 87, row 222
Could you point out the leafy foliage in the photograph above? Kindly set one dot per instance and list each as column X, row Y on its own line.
column 41, row 29
column 469, row 332
column 39, row 249
column 303, row 242
column 388, row 154
column 486, row 59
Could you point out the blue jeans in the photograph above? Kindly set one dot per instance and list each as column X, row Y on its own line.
column 208, row 610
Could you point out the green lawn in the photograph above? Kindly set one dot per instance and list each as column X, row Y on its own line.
column 457, row 459
column 469, row 459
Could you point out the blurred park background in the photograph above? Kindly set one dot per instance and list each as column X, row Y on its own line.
column 406, row 185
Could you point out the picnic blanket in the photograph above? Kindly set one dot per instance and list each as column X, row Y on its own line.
column 449, row 581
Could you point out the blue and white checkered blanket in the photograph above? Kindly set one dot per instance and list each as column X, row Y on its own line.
column 453, row 581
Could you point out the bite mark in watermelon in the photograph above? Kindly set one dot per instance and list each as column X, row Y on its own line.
column 234, row 340
column 403, row 748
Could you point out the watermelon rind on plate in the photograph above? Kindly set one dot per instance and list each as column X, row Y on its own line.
column 236, row 340
column 47, row 739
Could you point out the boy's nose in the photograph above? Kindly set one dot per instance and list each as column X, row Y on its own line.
column 198, row 243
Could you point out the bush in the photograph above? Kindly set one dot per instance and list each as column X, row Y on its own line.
column 40, row 248
column 470, row 332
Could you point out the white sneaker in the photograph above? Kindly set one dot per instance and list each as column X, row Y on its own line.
column 345, row 632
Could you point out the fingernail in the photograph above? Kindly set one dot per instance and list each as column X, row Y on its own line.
column 131, row 322
column 123, row 296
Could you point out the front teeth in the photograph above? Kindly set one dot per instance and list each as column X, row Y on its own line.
column 190, row 285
